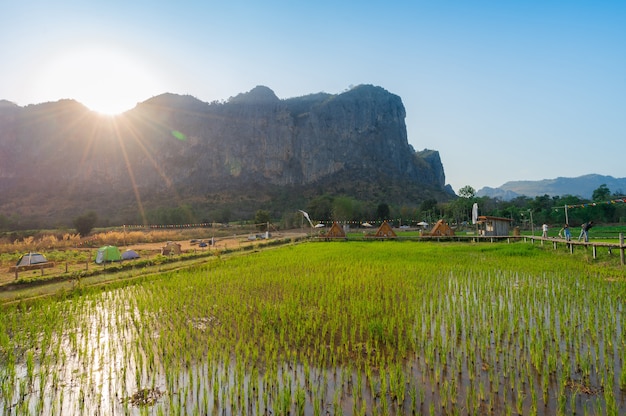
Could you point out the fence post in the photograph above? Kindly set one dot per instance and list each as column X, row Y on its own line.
column 621, row 248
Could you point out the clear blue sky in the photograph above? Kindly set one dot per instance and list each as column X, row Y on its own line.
column 508, row 90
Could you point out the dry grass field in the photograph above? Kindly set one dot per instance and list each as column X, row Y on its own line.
column 71, row 254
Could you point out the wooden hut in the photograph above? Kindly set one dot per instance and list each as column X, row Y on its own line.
column 385, row 231
column 493, row 226
column 335, row 231
column 441, row 229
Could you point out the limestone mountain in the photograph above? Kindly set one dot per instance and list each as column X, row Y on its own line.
column 253, row 151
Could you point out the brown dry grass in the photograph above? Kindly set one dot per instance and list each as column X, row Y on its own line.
column 147, row 243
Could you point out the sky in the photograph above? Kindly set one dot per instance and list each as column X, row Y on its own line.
column 504, row 90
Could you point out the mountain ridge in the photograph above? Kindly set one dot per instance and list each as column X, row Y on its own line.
column 253, row 151
column 581, row 186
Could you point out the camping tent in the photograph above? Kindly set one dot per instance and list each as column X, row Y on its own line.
column 108, row 254
column 129, row 255
column 31, row 258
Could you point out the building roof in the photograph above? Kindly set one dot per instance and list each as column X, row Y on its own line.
column 490, row 218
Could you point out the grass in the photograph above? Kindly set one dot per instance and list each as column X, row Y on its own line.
column 359, row 327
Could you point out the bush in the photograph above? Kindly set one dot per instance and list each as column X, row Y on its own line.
column 85, row 223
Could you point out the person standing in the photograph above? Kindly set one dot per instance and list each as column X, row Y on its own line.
column 567, row 233
column 544, row 229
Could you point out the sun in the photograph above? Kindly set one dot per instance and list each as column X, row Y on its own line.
column 105, row 80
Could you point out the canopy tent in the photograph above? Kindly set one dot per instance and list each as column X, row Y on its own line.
column 30, row 259
column 108, row 254
column 130, row 255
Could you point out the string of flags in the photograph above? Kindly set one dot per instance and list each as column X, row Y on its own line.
column 212, row 224
column 593, row 204
column 197, row 225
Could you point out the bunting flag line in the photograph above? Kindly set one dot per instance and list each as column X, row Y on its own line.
column 594, row 204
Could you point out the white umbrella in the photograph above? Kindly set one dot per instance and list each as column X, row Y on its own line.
column 366, row 224
column 422, row 224
column 320, row 225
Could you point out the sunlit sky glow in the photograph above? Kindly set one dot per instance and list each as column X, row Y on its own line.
column 503, row 90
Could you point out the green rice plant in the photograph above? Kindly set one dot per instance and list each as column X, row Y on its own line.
column 319, row 317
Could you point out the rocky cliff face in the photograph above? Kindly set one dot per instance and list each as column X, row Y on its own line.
column 59, row 159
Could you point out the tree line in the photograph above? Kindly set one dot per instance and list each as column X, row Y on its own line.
column 604, row 207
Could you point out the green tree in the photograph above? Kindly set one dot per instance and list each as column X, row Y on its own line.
column 261, row 219
column 382, row 212
column 607, row 212
column 602, row 193
column 321, row 208
column 467, row 192
column 85, row 223
column 344, row 208
column 428, row 205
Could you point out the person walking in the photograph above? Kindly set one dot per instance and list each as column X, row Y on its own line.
column 544, row 229
column 584, row 230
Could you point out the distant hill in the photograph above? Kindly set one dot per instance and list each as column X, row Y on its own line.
column 582, row 186
column 254, row 151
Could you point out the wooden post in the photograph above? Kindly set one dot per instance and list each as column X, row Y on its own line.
column 18, row 268
column 554, row 245
column 595, row 251
column 621, row 248
column 571, row 248
column 41, row 268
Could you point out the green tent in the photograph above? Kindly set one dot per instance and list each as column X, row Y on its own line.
column 108, row 254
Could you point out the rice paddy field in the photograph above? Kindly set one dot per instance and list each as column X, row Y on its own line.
column 352, row 328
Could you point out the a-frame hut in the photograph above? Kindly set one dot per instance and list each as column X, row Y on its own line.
column 385, row 231
column 335, row 231
column 441, row 229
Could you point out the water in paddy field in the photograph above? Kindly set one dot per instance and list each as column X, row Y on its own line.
column 111, row 354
